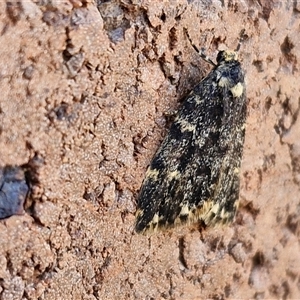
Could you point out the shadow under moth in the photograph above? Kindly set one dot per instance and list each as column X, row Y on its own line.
column 194, row 175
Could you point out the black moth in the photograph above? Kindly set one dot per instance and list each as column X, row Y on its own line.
column 194, row 176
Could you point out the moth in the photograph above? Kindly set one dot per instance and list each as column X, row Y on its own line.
column 194, row 175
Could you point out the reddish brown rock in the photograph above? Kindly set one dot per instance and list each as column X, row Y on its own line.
column 86, row 86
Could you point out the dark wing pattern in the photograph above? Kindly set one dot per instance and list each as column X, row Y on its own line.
column 195, row 173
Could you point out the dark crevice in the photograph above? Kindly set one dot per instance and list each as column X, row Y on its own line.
column 181, row 253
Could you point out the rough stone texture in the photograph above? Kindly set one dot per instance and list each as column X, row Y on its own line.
column 84, row 90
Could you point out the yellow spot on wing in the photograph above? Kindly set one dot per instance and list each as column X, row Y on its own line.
column 184, row 210
column 237, row 90
column 236, row 171
column 139, row 213
column 223, row 82
column 185, row 125
column 175, row 174
column 152, row 173
column 153, row 224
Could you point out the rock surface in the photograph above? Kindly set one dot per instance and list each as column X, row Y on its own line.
column 85, row 86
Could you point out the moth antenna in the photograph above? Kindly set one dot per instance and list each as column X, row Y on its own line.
column 201, row 53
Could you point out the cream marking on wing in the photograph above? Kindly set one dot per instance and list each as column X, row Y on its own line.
column 237, row 90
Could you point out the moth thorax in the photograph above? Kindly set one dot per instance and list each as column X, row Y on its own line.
column 225, row 56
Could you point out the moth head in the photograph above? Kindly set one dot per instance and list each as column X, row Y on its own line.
column 226, row 56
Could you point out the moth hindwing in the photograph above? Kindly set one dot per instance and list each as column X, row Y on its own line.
column 194, row 175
